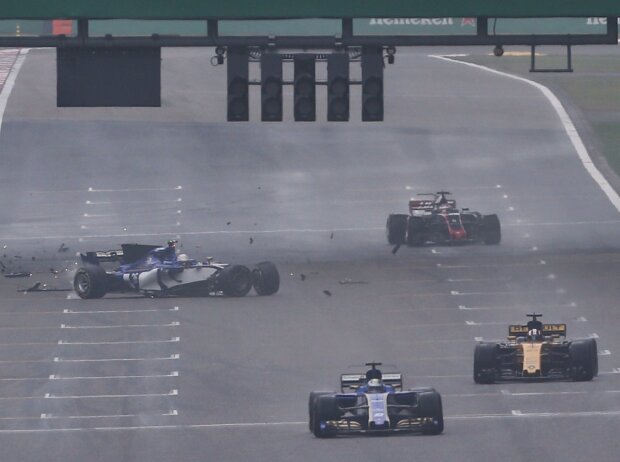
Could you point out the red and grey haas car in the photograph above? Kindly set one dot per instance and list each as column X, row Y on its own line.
column 536, row 351
column 438, row 221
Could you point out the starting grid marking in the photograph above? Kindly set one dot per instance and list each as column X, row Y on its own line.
column 87, row 377
column 514, row 414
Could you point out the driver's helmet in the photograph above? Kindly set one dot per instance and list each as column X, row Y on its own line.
column 534, row 334
column 375, row 386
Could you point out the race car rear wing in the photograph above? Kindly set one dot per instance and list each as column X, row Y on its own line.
column 351, row 382
column 428, row 205
column 517, row 330
column 129, row 253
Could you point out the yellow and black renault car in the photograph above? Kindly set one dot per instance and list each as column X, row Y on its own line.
column 536, row 351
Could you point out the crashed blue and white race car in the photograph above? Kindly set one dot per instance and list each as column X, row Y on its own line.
column 372, row 403
column 159, row 271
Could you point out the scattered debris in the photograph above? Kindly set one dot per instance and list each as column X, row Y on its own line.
column 228, row 223
column 53, row 271
column 17, row 256
column 34, row 258
column 251, row 240
column 63, row 248
column 33, row 288
column 351, row 281
column 259, row 187
column 18, row 274
column 39, row 287
column 302, row 276
column 331, row 236
column 327, row 292
column 395, row 249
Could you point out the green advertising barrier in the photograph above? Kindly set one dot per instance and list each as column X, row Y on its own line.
column 289, row 9
column 309, row 27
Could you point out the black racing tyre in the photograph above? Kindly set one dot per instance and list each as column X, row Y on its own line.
column 311, row 401
column 265, row 278
column 235, row 281
column 583, row 359
column 485, row 362
column 416, row 235
column 396, row 228
column 491, row 230
column 325, row 408
column 90, row 281
column 429, row 404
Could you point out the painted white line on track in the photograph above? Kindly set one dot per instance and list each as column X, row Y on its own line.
column 414, row 309
column 154, row 310
column 105, row 416
column 502, row 279
column 23, row 361
column 29, row 313
column 120, row 342
column 95, row 190
column 489, row 265
column 113, row 377
column 24, row 379
column 58, row 359
column 28, row 327
column 18, row 418
column 513, row 307
column 416, row 342
column 122, row 326
column 513, row 292
column 567, row 123
column 10, row 82
column 167, row 201
column 429, row 324
column 190, row 233
column 545, row 393
column 469, row 395
column 173, row 392
column 614, row 371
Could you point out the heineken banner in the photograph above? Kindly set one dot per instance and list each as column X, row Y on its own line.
column 371, row 26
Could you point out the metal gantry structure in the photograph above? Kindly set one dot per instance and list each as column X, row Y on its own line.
column 125, row 70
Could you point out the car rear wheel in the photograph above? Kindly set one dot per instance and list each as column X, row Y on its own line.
column 485, row 363
column 265, row 278
column 396, row 228
column 583, row 359
column 235, row 281
column 491, row 230
column 90, row 281
column 430, row 406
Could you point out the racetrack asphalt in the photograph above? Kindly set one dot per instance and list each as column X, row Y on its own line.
column 133, row 379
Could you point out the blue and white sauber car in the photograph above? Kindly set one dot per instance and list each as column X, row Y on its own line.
column 159, row 271
column 374, row 403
